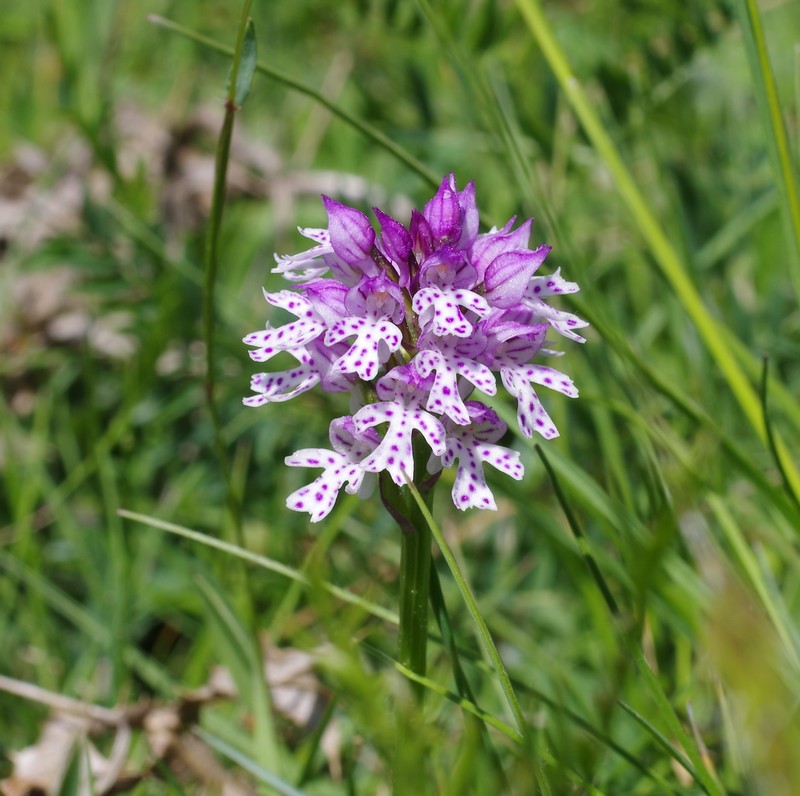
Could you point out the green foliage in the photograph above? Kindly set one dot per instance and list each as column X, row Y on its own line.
column 640, row 587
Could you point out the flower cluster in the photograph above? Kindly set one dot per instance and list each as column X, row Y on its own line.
column 412, row 321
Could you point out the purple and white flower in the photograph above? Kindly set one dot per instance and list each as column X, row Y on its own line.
column 411, row 321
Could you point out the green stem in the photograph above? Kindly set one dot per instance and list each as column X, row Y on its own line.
column 415, row 575
column 412, row 644
column 367, row 130
column 211, row 267
column 472, row 607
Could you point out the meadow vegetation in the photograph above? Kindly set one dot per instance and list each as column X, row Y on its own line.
column 642, row 583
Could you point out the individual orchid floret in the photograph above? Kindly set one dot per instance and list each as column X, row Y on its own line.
column 396, row 245
column 352, row 240
column 445, row 282
column 452, row 215
column 306, row 265
column 404, row 415
column 453, row 358
column 410, row 320
column 278, row 387
column 375, row 340
column 341, row 466
column 473, row 446
column 293, row 335
column 377, row 304
column 492, row 244
column 541, row 287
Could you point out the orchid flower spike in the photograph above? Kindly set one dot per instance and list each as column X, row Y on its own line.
column 422, row 318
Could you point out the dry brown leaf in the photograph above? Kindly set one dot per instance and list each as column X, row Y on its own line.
column 41, row 768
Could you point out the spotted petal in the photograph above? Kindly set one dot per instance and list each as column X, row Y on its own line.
column 341, row 466
column 279, row 387
column 531, row 415
column 319, row 497
column 563, row 322
column 552, row 285
column 470, row 489
column 439, row 309
column 444, row 397
column 309, row 264
column 270, row 341
column 374, row 342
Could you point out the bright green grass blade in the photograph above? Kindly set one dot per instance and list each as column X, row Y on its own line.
column 463, row 688
column 660, row 739
column 771, row 438
column 330, row 532
column 663, row 252
column 780, row 396
column 472, row 606
column 777, row 140
column 262, row 561
column 689, row 406
column 365, row 129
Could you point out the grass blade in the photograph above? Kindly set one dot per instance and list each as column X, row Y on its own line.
column 367, row 130
column 259, row 772
column 374, row 609
column 472, row 606
column 777, row 140
column 244, row 660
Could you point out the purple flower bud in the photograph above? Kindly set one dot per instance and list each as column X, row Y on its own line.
column 352, row 236
column 421, row 234
column 396, row 242
column 444, row 213
column 469, row 211
column 489, row 246
column 509, row 273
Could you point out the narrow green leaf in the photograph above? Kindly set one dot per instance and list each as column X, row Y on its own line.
column 660, row 739
column 248, row 764
column 766, row 91
column 701, row 774
column 466, row 704
column 750, row 566
column 472, row 606
column 247, row 66
column 367, row 130
column 662, row 250
column 236, row 647
column 579, row 536
column 771, row 440
column 262, row 561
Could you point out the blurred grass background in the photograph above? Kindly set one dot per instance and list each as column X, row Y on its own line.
column 106, row 158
